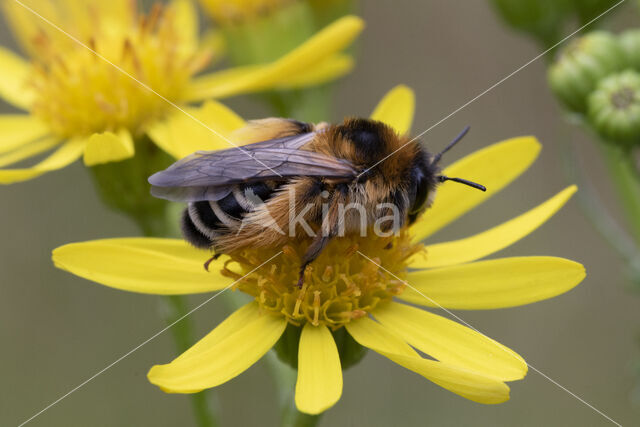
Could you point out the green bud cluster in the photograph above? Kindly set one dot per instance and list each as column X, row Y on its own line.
column 597, row 77
column 548, row 20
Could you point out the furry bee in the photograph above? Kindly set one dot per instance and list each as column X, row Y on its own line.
column 244, row 197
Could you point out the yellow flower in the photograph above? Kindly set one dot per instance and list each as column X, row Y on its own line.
column 359, row 284
column 102, row 74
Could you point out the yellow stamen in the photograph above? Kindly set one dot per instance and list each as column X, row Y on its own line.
column 338, row 287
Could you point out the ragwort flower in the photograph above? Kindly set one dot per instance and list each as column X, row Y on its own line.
column 357, row 283
column 102, row 74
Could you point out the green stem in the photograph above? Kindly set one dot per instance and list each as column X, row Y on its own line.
column 123, row 187
column 175, row 308
column 294, row 418
column 176, row 314
column 284, row 378
column 596, row 212
column 627, row 182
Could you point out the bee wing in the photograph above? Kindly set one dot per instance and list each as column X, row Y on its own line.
column 209, row 175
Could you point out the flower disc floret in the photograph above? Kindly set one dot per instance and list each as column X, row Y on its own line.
column 341, row 285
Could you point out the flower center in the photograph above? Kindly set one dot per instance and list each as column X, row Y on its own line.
column 115, row 84
column 340, row 285
column 623, row 98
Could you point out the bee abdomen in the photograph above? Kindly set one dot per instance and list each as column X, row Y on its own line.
column 204, row 221
column 192, row 234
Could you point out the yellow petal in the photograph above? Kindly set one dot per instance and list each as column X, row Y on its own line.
column 229, row 82
column 494, row 167
column 235, row 81
column 506, row 282
column 215, row 364
column 375, row 336
column 145, row 265
column 75, row 17
column 117, row 10
column 28, row 150
column 13, row 79
column 28, row 19
column 319, row 384
column 470, row 385
column 68, row 153
column 452, row 343
column 492, row 240
column 205, row 128
column 228, row 327
column 19, row 129
column 330, row 69
column 108, row 147
column 186, row 22
column 23, row 23
column 333, row 38
column 396, row 109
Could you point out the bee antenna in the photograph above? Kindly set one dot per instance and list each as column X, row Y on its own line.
column 475, row 185
column 457, row 139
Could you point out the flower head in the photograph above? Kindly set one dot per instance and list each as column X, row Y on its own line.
column 102, row 74
column 579, row 67
column 151, row 50
column 359, row 284
column 341, row 286
column 614, row 108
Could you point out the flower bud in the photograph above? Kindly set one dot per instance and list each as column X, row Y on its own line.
column 614, row 108
column 587, row 10
column 630, row 42
column 580, row 66
column 350, row 351
column 543, row 19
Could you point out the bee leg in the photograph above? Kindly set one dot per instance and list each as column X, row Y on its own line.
column 312, row 253
column 213, row 258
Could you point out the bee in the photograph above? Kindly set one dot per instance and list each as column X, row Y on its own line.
column 245, row 196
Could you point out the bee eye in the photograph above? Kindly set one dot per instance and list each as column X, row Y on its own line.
column 422, row 183
column 419, row 194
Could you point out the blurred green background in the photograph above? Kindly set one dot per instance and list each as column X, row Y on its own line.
column 57, row 330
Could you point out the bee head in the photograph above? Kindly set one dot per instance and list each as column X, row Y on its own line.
column 425, row 175
column 423, row 179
